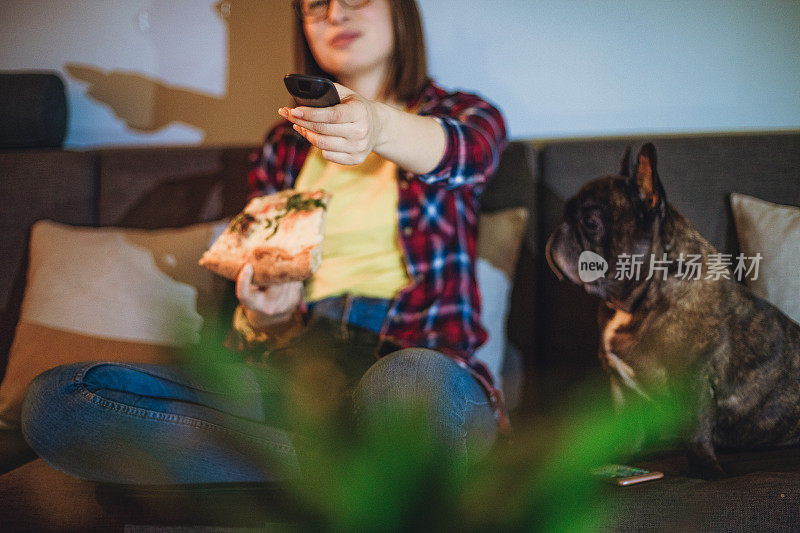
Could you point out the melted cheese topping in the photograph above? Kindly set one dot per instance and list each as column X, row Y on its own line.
column 296, row 231
column 293, row 231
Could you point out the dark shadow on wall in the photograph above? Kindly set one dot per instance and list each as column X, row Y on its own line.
column 260, row 50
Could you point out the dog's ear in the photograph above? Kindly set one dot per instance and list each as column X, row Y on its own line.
column 625, row 164
column 645, row 183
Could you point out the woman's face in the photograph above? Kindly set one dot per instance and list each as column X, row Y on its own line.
column 349, row 42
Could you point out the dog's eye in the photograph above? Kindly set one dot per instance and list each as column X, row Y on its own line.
column 591, row 222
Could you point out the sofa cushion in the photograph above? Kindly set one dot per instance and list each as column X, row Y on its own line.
column 759, row 494
column 109, row 294
column 500, row 237
column 14, row 451
column 33, row 110
column 773, row 231
column 36, row 497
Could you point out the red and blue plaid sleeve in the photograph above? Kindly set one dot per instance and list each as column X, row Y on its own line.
column 476, row 136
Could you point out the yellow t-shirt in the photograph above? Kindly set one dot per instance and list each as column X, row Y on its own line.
column 361, row 253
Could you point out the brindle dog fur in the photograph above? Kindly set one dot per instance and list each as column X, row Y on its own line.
column 736, row 355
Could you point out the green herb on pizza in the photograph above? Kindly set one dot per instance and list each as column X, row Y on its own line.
column 280, row 234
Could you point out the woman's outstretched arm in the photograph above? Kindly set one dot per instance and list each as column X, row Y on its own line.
column 458, row 144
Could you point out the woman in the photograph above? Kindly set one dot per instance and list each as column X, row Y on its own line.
column 405, row 162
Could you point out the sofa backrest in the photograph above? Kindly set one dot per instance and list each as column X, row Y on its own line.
column 170, row 187
column 552, row 323
column 698, row 173
column 151, row 188
column 34, row 185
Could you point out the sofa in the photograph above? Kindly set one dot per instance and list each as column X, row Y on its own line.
column 550, row 326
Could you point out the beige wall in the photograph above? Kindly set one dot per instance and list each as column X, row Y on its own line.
column 598, row 67
column 181, row 71
column 157, row 71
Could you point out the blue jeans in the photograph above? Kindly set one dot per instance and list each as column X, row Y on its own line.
column 142, row 424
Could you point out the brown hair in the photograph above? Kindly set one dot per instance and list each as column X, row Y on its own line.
column 408, row 67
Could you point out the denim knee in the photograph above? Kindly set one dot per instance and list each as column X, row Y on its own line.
column 91, row 437
column 459, row 409
column 48, row 412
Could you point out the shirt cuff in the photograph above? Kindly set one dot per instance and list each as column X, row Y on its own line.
column 443, row 170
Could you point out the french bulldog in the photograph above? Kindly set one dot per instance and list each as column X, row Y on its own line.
column 735, row 356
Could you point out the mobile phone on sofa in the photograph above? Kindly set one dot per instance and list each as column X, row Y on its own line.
column 311, row 91
column 625, row 475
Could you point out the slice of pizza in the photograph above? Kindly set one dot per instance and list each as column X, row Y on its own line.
column 279, row 234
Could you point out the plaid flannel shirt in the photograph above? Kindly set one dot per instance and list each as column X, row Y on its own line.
column 438, row 216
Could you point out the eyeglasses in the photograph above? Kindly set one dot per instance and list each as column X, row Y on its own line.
column 316, row 10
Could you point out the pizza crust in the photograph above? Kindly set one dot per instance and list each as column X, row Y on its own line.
column 298, row 236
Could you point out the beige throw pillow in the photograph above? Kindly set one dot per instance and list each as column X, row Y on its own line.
column 500, row 236
column 773, row 231
column 108, row 294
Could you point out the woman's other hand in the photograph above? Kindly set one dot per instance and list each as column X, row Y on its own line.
column 267, row 305
column 346, row 133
